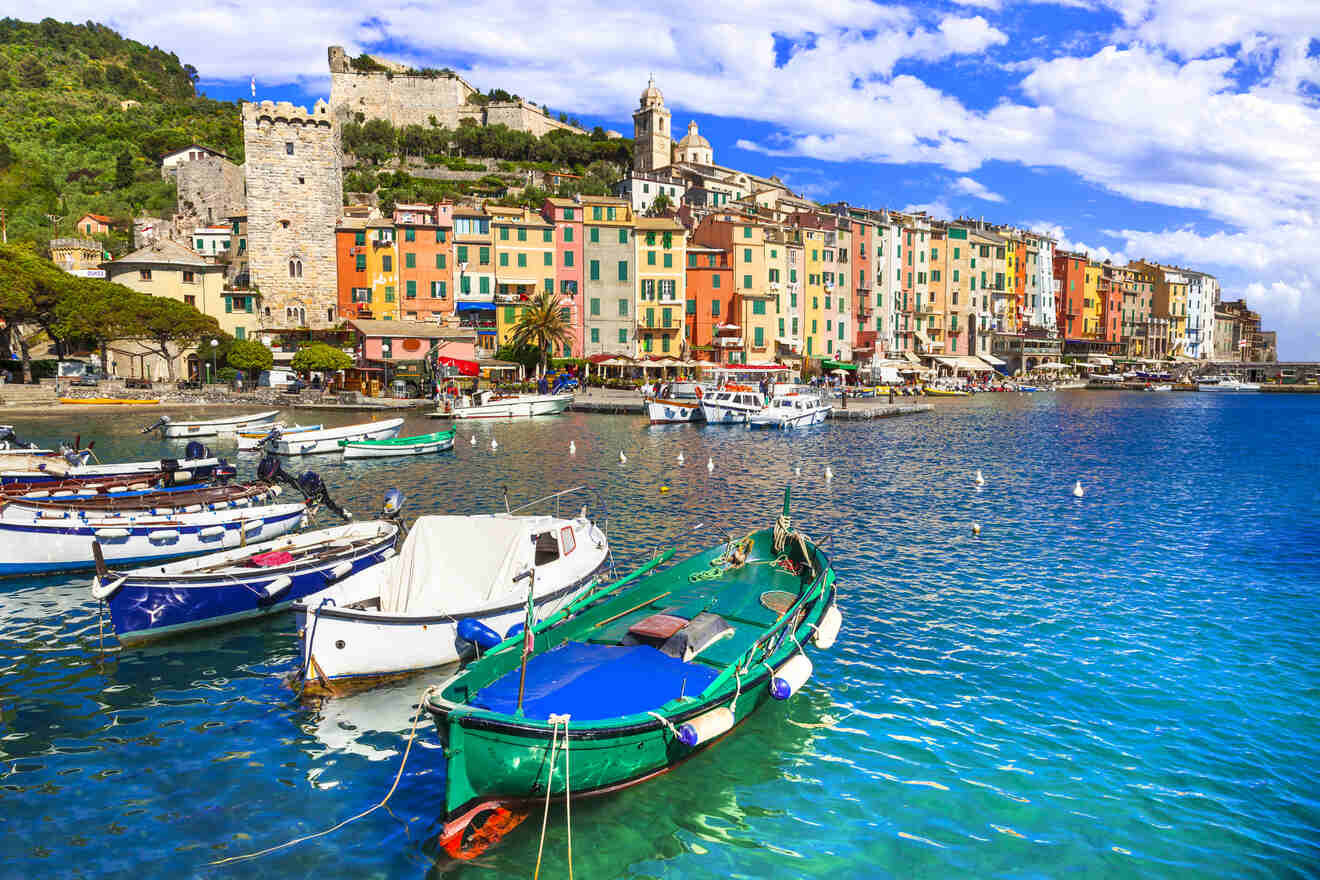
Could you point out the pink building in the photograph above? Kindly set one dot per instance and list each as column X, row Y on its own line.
column 566, row 214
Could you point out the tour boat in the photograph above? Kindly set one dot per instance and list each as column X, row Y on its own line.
column 731, row 406
column 422, row 444
column 239, row 584
column 41, row 544
column 630, row 680
column 192, row 498
column 493, row 405
column 455, row 577
column 681, row 402
column 327, row 439
column 172, row 430
column 251, row 441
column 791, row 411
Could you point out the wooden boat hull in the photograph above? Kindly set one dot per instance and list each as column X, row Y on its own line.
column 216, row 427
column 328, row 440
column 180, row 470
column 500, row 760
column 153, row 603
column 423, row 445
column 161, row 502
column 37, row 546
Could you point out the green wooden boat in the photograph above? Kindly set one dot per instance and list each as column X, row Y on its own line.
column 421, row 444
column 630, row 680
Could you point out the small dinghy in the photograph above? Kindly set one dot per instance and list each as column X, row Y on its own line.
column 327, row 439
column 193, row 498
column 198, row 464
column 493, row 405
column 250, row 441
column 631, row 681
column 255, row 581
column 172, row 430
column 31, row 546
column 422, row 444
column 457, row 581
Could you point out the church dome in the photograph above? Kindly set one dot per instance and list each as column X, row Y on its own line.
column 651, row 96
column 693, row 138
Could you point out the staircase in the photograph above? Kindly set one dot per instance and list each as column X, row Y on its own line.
column 28, row 395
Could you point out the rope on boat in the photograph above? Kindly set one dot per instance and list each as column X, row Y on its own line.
column 673, row 731
column 412, row 735
column 557, row 720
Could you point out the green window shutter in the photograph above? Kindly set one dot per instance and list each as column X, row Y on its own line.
column 609, row 213
column 664, row 344
column 669, row 261
column 692, row 307
column 650, row 239
column 504, row 233
column 594, row 270
column 692, row 260
column 508, row 314
column 747, row 232
column 781, row 326
column 485, row 284
column 485, row 256
column 361, row 264
column 595, row 306
column 595, row 212
column 439, row 236
column 547, row 236
column 715, row 281
column 650, row 258
column 595, row 335
column 522, row 261
column 229, row 304
column 389, row 293
column 410, row 259
column 522, row 234
column 650, row 317
column 240, row 333
column 412, row 290
column 568, row 233
column 359, row 238
column 623, row 308
column 462, row 253
column 440, row 261
column 248, row 302
column 623, row 270
column 714, row 308
column 747, row 282
column 623, row 334
column 441, row 288
column 758, row 307
column 747, row 255
column 409, row 235
column 550, row 286
column 758, row 337
column 668, row 239
column 623, row 234
column 504, row 259
column 595, row 235
column 568, row 258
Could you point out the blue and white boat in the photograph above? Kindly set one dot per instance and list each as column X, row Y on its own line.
column 246, row 583
column 199, row 465
column 50, row 544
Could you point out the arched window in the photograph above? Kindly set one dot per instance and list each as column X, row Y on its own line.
column 291, row 270
column 300, row 268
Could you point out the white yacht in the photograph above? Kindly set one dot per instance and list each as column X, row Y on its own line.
column 791, row 411
column 731, row 406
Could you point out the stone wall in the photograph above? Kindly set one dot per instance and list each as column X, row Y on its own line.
column 210, row 189
column 294, row 200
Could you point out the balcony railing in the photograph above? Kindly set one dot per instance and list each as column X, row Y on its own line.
column 729, row 342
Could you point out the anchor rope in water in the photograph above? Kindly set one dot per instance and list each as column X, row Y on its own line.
column 556, row 720
column 412, row 735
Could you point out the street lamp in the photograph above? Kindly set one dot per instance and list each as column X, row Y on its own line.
column 214, row 343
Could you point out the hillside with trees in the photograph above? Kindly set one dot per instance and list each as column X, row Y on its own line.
column 69, row 140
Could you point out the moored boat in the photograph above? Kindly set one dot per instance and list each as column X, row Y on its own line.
column 456, row 581
column 191, row 498
column 41, row 544
column 677, row 402
column 631, row 681
column 421, row 444
column 251, row 441
column 493, row 405
column 327, row 439
column 732, row 405
column 791, row 411
column 198, row 465
column 172, row 430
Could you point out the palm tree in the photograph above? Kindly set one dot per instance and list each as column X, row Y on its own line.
column 542, row 324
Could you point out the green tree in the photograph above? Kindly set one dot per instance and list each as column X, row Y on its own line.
column 659, row 206
column 542, row 326
column 32, row 73
column 167, row 326
column 6, row 156
column 31, row 290
column 96, row 311
column 250, row 356
column 124, row 170
column 321, row 357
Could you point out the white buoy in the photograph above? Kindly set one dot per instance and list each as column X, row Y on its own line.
column 980, row 480
column 710, row 465
column 829, row 473
column 623, row 459
column 976, row 529
column 572, row 447
column 1078, row 491
column 797, row 470
column 680, row 458
column 494, row 444
column 474, row 439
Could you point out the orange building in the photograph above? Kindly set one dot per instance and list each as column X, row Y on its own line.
column 426, row 259
column 710, row 301
column 353, row 284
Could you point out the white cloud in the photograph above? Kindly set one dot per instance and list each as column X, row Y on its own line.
column 969, row 187
column 939, row 208
column 1064, row 242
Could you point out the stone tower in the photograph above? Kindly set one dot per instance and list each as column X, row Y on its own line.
column 652, row 138
column 295, row 193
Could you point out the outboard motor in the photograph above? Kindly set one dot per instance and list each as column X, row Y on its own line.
column 7, row 436
column 275, row 433
column 159, row 423
column 314, row 490
column 195, row 450
column 392, row 511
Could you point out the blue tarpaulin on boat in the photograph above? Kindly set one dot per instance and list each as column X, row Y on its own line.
column 474, row 306
column 590, row 682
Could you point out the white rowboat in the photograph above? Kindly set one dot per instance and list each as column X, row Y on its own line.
column 252, row 440
column 328, row 439
column 489, row 405
column 172, row 430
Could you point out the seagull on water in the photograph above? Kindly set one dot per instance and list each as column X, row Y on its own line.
column 494, row 444
column 572, row 447
column 1078, row 491
column 980, row 480
column 829, row 473
column 623, row 459
column 680, row 457
column 710, row 465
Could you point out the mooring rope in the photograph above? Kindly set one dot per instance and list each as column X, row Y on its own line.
column 412, row 735
column 557, row 720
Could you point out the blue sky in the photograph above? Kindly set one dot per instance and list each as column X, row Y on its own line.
column 1180, row 130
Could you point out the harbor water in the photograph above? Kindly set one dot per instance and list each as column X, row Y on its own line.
column 1119, row 685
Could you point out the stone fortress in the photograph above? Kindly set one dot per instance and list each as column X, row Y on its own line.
column 406, row 97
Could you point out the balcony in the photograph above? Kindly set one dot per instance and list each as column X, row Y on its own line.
column 378, row 243
column 729, row 342
column 659, row 324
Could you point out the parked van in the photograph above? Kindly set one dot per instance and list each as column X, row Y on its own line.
column 280, row 378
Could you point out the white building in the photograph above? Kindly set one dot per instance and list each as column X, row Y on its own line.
column 888, row 285
column 1202, row 297
column 641, row 190
column 212, row 241
column 188, row 154
column 1044, row 289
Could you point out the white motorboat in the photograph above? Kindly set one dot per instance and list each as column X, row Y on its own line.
column 250, row 441
column 1164, row 387
column 1229, row 384
column 791, row 411
column 47, row 544
column 731, row 406
column 493, row 405
column 405, row 614
column 680, row 402
column 328, row 439
column 172, row 430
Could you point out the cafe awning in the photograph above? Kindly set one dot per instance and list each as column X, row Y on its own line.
column 992, row 360
column 963, row 362
column 827, row 364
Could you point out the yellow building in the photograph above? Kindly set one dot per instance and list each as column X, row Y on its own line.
column 661, row 260
column 813, row 294
column 1008, row 321
column 524, row 259
column 382, row 255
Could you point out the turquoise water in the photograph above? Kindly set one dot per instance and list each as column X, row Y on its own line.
column 1122, row 685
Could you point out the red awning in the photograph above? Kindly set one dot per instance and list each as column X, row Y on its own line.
column 465, row 368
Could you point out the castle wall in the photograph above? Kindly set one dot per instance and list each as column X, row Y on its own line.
column 293, row 203
column 210, row 189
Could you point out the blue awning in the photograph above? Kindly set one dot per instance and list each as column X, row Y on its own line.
column 474, row 306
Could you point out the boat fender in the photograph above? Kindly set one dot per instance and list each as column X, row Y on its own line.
column 102, row 591
column 340, row 570
column 163, row 535
column 387, row 553
column 827, row 631
column 211, row 532
column 790, row 677
column 64, row 493
column 275, row 491
column 515, row 630
column 182, row 475
column 112, row 533
column 478, row 633
column 41, row 494
column 706, row 727
column 277, row 586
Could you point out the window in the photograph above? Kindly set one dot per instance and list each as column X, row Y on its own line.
column 389, row 293
column 623, row 233
column 609, row 215
column 508, row 315
column 747, row 232
column 758, row 307
column 714, row 308
column 623, row 335
column 439, row 236
column 595, row 212
column 595, row 235
column 189, row 277
column 568, row 233
column 411, row 290
column 669, row 261
column 360, row 295
column 650, row 258
column 504, row 233
column 386, row 263
column 623, row 308
column 191, row 300
column 594, row 270
column 623, row 270
column 522, row 261
column 462, row 253
column 410, row 259
column 595, row 307
column 715, row 281
column 409, row 235
column 595, row 335
column 691, row 307
column 483, row 285
column 522, row 234
column 201, row 245
column 568, row 287
column 484, row 256
column 438, row 290
column 792, row 276
column 288, row 148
